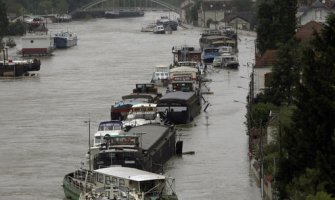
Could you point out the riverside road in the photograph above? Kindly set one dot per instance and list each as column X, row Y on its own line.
column 43, row 131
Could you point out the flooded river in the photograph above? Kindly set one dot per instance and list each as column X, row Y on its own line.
column 43, row 131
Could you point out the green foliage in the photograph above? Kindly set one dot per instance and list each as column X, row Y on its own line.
column 265, row 35
column 16, row 28
column 285, row 74
column 3, row 22
column 275, row 15
column 260, row 114
column 310, row 142
column 243, row 5
column 320, row 196
column 306, row 184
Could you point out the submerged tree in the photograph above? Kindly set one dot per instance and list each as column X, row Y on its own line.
column 310, row 142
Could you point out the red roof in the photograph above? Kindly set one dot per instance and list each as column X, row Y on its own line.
column 306, row 32
column 268, row 59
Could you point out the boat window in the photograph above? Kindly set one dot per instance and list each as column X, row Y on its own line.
column 114, row 180
column 108, row 180
column 100, row 178
column 121, row 182
column 97, row 139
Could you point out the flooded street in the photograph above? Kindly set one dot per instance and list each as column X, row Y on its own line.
column 43, row 131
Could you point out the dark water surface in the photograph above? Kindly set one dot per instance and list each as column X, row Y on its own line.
column 43, row 131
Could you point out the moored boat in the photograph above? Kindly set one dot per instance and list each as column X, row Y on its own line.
column 145, row 147
column 140, row 114
column 186, row 53
column 160, row 76
column 9, row 67
column 159, row 29
column 121, row 183
column 65, row 39
column 209, row 53
column 179, row 107
column 184, row 78
column 143, row 93
column 148, row 27
column 110, row 128
column 230, row 61
column 37, row 45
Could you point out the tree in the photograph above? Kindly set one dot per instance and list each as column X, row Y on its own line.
column 265, row 37
column 3, row 22
column 276, row 23
column 310, row 142
column 243, row 5
column 285, row 73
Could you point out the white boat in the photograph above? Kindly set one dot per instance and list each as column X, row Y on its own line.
column 65, row 39
column 159, row 29
column 141, row 114
column 125, row 183
column 37, row 44
column 160, row 76
column 148, row 28
column 230, row 61
column 111, row 128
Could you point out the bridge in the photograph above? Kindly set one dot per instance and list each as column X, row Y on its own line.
column 103, row 5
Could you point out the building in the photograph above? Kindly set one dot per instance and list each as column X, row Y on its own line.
column 263, row 70
column 306, row 32
column 213, row 11
column 317, row 11
column 241, row 20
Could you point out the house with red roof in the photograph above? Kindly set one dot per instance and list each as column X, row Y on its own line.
column 263, row 70
column 307, row 32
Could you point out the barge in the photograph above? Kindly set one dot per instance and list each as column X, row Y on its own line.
column 145, row 147
column 179, row 107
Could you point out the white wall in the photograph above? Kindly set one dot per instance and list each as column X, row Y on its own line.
column 318, row 15
column 259, row 79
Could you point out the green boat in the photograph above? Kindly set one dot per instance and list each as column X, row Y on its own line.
column 76, row 183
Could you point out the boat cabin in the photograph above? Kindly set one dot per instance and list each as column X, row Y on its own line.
column 130, row 183
column 161, row 75
column 186, row 53
column 143, row 113
column 111, row 128
column 184, row 79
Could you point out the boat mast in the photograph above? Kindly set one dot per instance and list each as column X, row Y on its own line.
column 89, row 140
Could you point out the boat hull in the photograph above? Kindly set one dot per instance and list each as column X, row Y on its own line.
column 62, row 43
column 19, row 69
column 70, row 190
